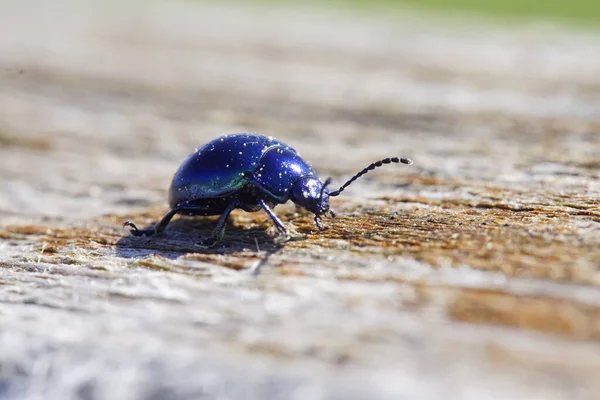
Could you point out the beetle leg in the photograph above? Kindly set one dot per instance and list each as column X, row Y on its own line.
column 160, row 227
column 318, row 222
column 137, row 232
column 284, row 236
column 219, row 230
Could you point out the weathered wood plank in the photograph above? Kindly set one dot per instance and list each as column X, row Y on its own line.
column 471, row 274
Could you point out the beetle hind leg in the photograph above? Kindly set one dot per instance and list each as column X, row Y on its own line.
column 135, row 231
column 162, row 225
column 157, row 228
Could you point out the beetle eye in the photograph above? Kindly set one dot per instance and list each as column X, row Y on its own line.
column 323, row 187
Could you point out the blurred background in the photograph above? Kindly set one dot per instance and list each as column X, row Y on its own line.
column 578, row 12
column 130, row 77
column 472, row 274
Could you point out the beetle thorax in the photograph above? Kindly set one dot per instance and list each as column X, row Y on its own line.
column 308, row 192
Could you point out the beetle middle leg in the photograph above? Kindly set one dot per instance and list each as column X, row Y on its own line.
column 219, row 230
column 283, row 232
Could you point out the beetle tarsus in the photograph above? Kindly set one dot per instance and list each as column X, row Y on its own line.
column 318, row 222
column 280, row 226
column 219, row 230
column 138, row 232
column 282, row 238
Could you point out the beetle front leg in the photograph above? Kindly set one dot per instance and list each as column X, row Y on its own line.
column 318, row 222
column 318, row 219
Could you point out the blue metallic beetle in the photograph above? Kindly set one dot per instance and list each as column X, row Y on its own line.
column 250, row 172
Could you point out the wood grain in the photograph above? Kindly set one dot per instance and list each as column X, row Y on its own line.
column 473, row 273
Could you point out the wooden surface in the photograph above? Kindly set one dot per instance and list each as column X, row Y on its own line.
column 471, row 274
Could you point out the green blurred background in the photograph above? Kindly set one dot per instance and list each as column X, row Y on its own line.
column 580, row 12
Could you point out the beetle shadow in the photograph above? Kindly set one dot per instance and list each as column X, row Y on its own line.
column 184, row 233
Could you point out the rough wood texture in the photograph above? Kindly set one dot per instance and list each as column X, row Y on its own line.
column 472, row 274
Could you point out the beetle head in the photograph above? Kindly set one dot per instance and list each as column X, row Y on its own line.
column 313, row 195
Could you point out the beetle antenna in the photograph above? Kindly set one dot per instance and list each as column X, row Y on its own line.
column 371, row 167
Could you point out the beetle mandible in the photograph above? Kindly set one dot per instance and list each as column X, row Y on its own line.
column 250, row 172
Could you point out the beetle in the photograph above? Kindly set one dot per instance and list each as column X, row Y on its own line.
column 251, row 172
